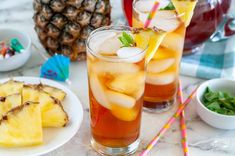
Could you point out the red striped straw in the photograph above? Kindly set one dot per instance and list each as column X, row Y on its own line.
column 183, row 123
column 151, row 14
column 168, row 124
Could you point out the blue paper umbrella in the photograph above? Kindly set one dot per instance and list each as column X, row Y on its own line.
column 56, row 68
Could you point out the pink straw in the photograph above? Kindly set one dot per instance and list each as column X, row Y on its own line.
column 151, row 14
column 183, row 123
column 168, row 124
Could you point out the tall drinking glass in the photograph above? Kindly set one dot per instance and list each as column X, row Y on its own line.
column 163, row 69
column 116, row 87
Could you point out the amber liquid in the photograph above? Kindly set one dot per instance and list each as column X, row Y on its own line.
column 161, row 96
column 110, row 131
column 114, row 123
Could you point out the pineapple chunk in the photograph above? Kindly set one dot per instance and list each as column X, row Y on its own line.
column 21, row 126
column 30, row 93
column 9, row 102
column 55, row 92
column 53, row 114
column 185, row 9
column 10, row 87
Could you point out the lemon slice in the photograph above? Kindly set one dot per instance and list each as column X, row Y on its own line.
column 185, row 8
column 149, row 38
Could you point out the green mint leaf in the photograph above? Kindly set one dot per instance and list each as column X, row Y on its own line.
column 126, row 40
column 128, row 37
column 214, row 105
column 219, row 102
column 170, row 6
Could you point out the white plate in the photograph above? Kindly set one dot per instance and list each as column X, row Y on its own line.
column 52, row 137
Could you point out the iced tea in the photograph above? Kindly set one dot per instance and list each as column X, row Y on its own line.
column 116, row 87
column 163, row 69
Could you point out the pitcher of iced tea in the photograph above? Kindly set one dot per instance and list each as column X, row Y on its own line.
column 208, row 15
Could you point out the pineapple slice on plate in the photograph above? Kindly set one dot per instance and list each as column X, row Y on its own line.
column 30, row 93
column 55, row 92
column 10, row 87
column 53, row 114
column 9, row 102
column 21, row 126
column 185, row 9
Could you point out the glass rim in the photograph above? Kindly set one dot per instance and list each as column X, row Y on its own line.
column 139, row 12
column 107, row 58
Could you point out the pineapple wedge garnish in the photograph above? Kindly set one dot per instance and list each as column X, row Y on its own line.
column 149, row 38
column 53, row 114
column 55, row 92
column 185, row 9
column 30, row 93
column 9, row 102
column 21, row 126
column 10, row 87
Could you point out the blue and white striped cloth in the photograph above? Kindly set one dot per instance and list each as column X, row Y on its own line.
column 215, row 61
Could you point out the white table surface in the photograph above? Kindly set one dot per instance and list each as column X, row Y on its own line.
column 203, row 139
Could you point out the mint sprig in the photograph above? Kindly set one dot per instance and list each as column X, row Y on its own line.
column 126, row 40
column 170, row 6
column 220, row 102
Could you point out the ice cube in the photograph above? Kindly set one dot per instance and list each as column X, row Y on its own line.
column 99, row 39
column 139, row 92
column 127, row 83
column 110, row 45
column 131, row 54
column 160, row 65
column 165, row 20
column 146, row 5
column 163, row 78
column 125, row 114
column 98, row 91
column 120, row 99
column 114, row 68
column 174, row 42
column 163, row 53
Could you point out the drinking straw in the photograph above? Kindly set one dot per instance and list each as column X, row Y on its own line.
column 151, row 14
column 168, row 124
column 183, row 123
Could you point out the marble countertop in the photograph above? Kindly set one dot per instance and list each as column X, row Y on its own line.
column 203, row 139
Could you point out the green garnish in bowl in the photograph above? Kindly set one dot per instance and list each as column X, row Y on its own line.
column 219, row 102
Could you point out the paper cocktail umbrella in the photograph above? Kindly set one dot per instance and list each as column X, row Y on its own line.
column 56, row 68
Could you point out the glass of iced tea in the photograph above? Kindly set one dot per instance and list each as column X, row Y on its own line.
column 163, row 70
column 116, row 75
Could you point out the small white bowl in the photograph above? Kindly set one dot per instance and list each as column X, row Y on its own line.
column 212, row 118
column 18, row 60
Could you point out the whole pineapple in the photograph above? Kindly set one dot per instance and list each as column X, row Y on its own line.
column 64, row 25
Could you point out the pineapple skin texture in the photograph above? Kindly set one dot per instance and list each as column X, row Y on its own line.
column 53, row 114
column 64, row 25
column 22, row 126
column 54, row 92
column 9, row 102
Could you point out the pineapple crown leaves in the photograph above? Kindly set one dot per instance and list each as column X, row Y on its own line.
column 126, row 40
column 170, row 6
